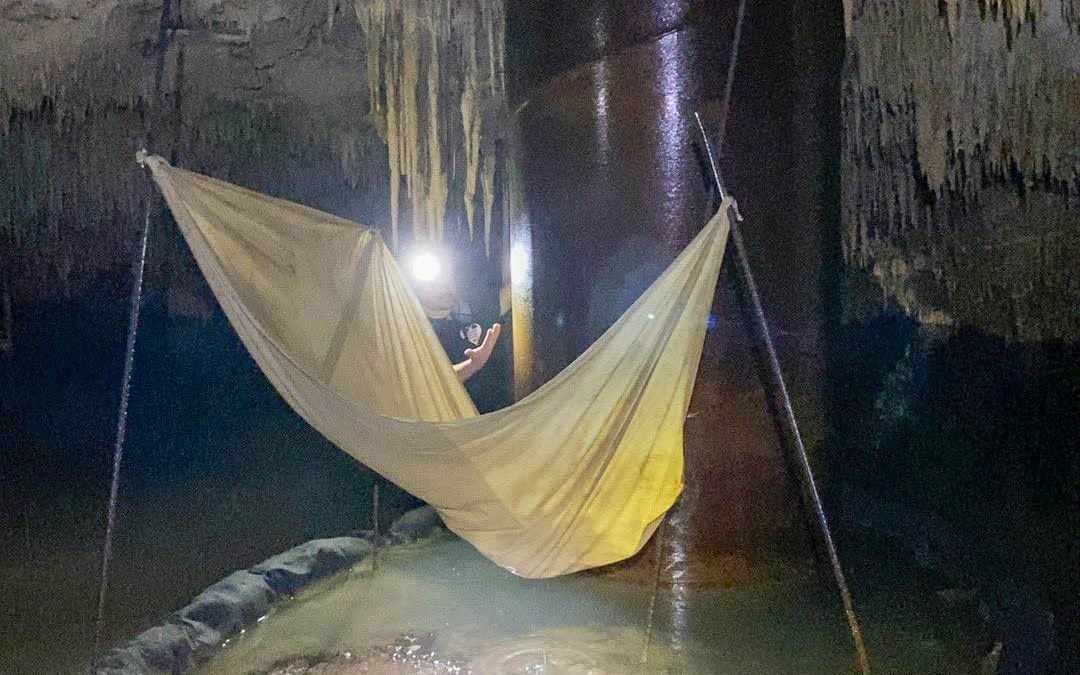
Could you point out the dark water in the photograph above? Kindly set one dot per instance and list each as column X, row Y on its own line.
column 218, row 474
column 969, row 447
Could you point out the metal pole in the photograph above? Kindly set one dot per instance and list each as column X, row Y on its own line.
column 788, row 414
column 121, row 428
column 166, row 30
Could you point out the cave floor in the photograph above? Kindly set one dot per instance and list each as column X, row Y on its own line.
column 437, row 606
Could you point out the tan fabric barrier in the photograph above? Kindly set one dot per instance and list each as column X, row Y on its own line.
column 577, row 474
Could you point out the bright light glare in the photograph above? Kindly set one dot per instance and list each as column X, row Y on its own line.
column 426, row 266
column 519, row 262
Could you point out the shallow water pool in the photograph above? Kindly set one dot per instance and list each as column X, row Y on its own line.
column 437, row 606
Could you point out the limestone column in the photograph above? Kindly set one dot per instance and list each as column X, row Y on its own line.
column 614, row 185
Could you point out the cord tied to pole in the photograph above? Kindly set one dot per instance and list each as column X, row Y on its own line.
column 138, row 272
column 787, row 414
column 786, row 411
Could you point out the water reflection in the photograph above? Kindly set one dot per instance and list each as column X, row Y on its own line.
column 564, row 651
column 667, row 13
column 679, row 600
column 437, row 607
column 672, row 151
column 602, row 87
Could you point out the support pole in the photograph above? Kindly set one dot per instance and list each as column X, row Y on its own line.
column 787, row 413
column 138, row 268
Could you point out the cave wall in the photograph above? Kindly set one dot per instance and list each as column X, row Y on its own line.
column 270, row 95
column 961, row 161
column 955, row 362
column 960, row 238
column 312, row 102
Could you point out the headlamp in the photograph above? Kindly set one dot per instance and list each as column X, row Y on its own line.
column 426, row 266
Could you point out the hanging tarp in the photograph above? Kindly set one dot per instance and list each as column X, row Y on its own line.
column 578, row 474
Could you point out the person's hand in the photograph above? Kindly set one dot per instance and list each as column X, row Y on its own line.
column 480, row 355
column 477, row 358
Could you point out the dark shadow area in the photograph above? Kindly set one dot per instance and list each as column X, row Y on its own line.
column 218, row 473
column 960, row 449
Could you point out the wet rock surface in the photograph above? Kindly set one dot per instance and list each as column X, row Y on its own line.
column 955, row 446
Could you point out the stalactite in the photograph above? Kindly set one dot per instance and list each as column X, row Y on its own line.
column 436, row 190
column 960, row 117
column 470, row 123
column 77, row 100
column 410, row 110
column 393, row 144
column 419, row 53
column 487, row 182
column 371, row 19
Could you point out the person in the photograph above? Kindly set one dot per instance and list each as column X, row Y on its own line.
column 434, row 285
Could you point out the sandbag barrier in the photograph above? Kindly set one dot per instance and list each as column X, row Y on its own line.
column 189, row 636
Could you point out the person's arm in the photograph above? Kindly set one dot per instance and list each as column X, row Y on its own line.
column 475, row 359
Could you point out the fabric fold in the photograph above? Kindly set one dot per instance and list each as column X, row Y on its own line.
column 576, row 475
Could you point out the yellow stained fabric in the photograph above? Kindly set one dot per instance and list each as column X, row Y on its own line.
column 578, row 474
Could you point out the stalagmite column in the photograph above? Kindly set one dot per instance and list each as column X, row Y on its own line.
column 614, row 187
